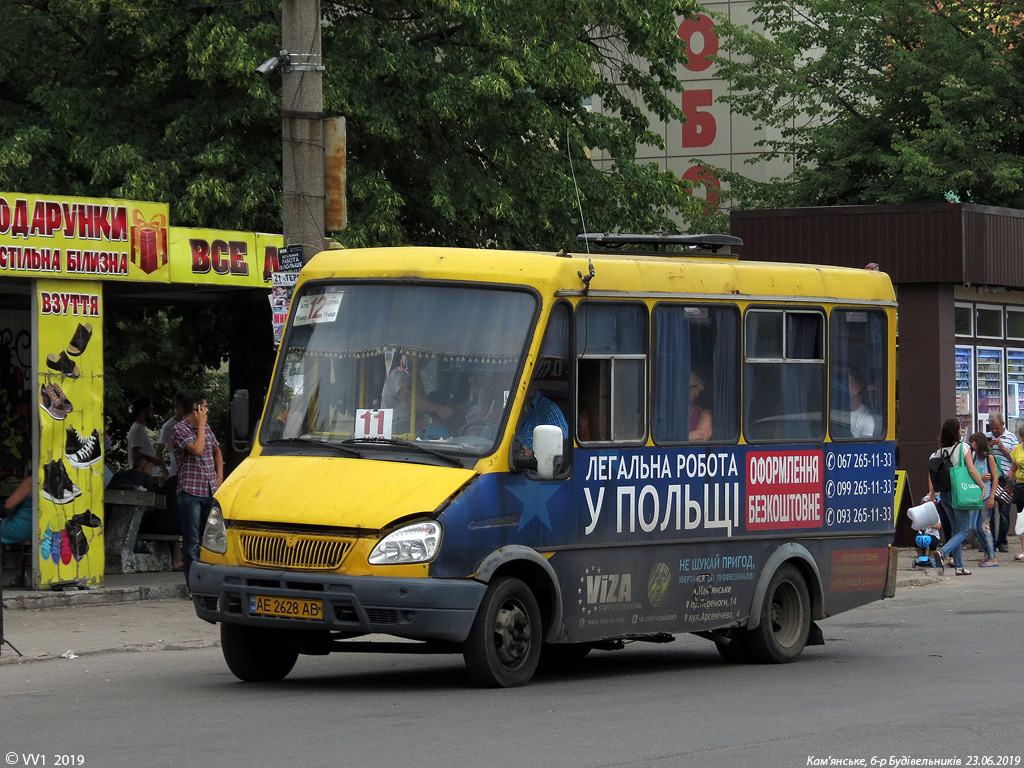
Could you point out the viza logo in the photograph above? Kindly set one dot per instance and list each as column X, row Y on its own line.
column 609, row 588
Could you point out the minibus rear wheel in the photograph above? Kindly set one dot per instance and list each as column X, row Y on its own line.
column 256, row 655
column 785, row 619
column 503, row 647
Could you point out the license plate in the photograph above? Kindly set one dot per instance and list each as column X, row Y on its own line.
column 289, row 607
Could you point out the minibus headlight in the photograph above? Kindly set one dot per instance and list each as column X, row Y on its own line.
column 415, row 543
column 215, row 534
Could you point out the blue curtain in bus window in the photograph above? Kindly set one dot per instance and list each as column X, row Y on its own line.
column 858, row 374
column 702, row 340
column 803, row 377
column 610, row 329
column 671, row 375
column 725, row 379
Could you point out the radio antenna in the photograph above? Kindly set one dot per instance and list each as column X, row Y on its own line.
column 579, row 199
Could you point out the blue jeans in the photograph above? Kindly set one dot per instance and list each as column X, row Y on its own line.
column 194, row 511
column 983, row 531
column 960, row 519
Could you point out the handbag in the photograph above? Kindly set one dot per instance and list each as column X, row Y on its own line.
column 1003, row 494
column 967, row 494
column 1004, row 490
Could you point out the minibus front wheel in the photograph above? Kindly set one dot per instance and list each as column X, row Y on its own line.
column 785, row 619
column 504, row 644
column 255, row 654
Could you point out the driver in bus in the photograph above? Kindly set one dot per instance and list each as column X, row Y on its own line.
column 541, row 410
column 397, row 395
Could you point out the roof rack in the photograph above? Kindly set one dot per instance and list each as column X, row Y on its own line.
column 657, row 242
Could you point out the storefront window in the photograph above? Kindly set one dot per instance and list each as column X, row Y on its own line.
column 963, row 319
column 990, row 322
column 1014, row 323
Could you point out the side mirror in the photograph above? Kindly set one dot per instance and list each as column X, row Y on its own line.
column 547, row 448
column 241, row 440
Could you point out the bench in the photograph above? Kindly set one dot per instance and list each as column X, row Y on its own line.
column 20, row 553
column 124, row 511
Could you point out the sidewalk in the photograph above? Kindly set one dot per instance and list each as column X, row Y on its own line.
column 117, row 588
column 149, row 611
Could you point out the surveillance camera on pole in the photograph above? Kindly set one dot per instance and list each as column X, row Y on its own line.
column 271, row 65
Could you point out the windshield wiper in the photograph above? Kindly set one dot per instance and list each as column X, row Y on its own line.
column 447, row 457
column 321, row 443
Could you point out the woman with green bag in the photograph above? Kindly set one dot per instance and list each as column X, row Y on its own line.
column 951, row 445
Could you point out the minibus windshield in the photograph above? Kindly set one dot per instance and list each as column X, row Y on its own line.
column 375, row 365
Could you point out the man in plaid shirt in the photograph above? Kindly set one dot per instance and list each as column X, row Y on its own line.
column 200, row 473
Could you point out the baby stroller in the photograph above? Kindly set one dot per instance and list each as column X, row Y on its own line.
column 924, row 519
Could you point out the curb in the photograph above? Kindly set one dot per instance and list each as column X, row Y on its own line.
column 100, row 596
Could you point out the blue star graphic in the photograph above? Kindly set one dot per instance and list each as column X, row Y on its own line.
column 535, row 498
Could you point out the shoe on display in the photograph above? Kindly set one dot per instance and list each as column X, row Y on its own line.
column 80, row 340
column 64, row 365
column 56, row 542
column 53, row 484
column 45, row 544
column 87, row 518
column 76, row 538
column 73, row 442
column 57, row 486
column 69, row 487
column 50, row 402
column 88, row 454
column 62, row 398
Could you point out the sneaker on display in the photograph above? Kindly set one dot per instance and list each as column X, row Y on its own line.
column 73, row 442
column 52, row 400
column 88, row 454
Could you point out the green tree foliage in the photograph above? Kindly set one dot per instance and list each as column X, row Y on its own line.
column 883, row 101
column 153, row 353
column 143, row 100
column 468, row 119
column 462, row 114
column 468, row 124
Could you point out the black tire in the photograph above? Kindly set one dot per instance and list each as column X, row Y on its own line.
column 503, row 647
column 256, row 655
column 785, row 619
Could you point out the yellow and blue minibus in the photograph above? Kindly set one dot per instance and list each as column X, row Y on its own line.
column 519, row 455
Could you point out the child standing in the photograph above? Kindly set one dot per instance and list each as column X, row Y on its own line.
column 987, row 467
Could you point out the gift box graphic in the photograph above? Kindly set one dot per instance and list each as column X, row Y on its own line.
column 148, row 242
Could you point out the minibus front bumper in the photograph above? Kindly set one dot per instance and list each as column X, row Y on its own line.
column 423, row 609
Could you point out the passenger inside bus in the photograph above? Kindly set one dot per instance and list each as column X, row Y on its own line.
column 700, row 418
column 862, row 420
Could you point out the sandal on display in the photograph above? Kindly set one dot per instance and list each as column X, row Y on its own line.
column 962, row 572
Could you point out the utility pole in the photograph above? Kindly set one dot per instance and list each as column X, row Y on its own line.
column 302, row 133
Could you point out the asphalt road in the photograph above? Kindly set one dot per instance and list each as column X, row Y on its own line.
column 930, row 674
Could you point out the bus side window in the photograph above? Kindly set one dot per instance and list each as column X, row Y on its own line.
column 694, row 376
column 784, row 375
column 857, row 368
column 551, row 382
column 611, row 370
